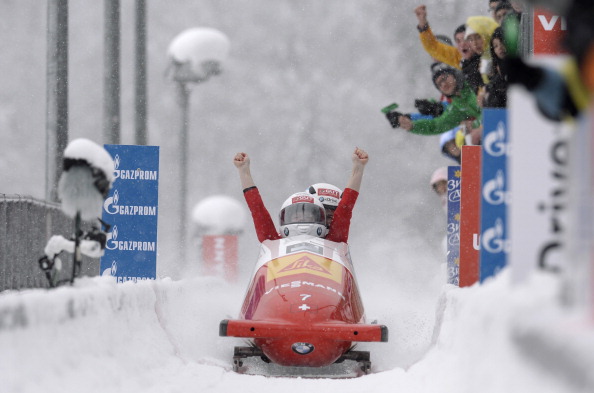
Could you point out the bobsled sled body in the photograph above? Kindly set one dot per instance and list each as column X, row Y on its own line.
column 303, row 307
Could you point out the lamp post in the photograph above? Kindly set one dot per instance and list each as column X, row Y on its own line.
column 195, row 55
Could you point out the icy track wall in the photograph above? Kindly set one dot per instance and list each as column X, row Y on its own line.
column 99, row 330
column 158, row 335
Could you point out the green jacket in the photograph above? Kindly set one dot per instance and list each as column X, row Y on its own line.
column 462, row 107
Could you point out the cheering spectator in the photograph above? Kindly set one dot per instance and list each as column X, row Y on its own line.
column 451, row 83
column 460, row 57
column 495, row 95
column 479, row 30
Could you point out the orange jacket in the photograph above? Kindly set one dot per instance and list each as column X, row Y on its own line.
column 439, row 51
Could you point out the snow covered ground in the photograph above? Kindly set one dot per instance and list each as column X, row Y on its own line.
column 162, row 336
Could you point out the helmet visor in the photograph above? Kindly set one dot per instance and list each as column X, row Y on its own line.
column 302, row 213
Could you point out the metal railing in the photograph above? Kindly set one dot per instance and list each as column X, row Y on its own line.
column 26, row 224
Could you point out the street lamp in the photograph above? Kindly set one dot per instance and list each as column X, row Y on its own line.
column 195, row 55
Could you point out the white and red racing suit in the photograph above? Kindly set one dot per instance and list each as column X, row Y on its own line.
column 265, row 229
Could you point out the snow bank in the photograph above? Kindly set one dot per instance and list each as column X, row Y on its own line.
column 162, row 336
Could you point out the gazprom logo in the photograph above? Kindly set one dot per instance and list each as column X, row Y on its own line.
column 112, row 206
column 493, row 239
column 132, row 174
column 494, row 189
column 111, row 271
column 113, row 243
column 116, row 163
column 494, row 142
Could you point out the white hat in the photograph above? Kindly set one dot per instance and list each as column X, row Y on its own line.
column 469, row 31
column 438, row 175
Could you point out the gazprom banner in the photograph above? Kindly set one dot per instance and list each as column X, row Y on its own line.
column 453, row 236
column 131, row 209
column 493, row 253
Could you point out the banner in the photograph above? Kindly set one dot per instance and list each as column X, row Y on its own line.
column 453, row 233
column 131, row 209
column 538, row 168
column 470, row 215
column 494, row 199
column 579, row 276
column 219, row 256
column 548, row 33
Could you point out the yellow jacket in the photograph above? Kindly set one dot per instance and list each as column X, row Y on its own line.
column 439, row 51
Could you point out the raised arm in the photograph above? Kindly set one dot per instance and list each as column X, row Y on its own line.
column 265, row 229
column 359, row 158
column 242, row 163
column 438, row 50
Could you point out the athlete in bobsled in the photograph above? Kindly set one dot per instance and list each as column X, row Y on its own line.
column 303, row 307
column 337, row 232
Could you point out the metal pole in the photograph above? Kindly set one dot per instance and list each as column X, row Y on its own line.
column 526, row 31
column 111, row 94
column 184, row 104
column 140, row 76
column 57, row 94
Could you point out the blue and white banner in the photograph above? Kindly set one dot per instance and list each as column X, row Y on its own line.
column 538, row 178
column 494, row 199
column 453, row 234
column 131, row 209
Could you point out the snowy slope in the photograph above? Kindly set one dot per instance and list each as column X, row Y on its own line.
column 162, row 336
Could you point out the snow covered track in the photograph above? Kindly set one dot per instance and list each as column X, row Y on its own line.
column 162, row 336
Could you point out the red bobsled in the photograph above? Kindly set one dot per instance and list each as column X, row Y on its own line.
column 302, row 307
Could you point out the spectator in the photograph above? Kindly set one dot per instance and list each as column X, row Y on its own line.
column 452, row 84
column 265, row 229
column 460, row 57
column 448, row 147
column 495, row 95
column 493, row 4
column 439, row 184
column 479, row 30
column 501, row 11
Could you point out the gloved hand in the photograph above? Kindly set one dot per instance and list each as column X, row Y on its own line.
column 393, row 118
column 429, row 107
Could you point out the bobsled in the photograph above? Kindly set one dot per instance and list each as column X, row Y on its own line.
column 303, row 308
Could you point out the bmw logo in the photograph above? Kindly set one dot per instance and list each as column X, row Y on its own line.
column 286, row 231
column 319, row 231
column 302, row 348
column 321, row 199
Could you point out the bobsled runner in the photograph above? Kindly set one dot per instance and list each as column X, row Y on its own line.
column 303, row 308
